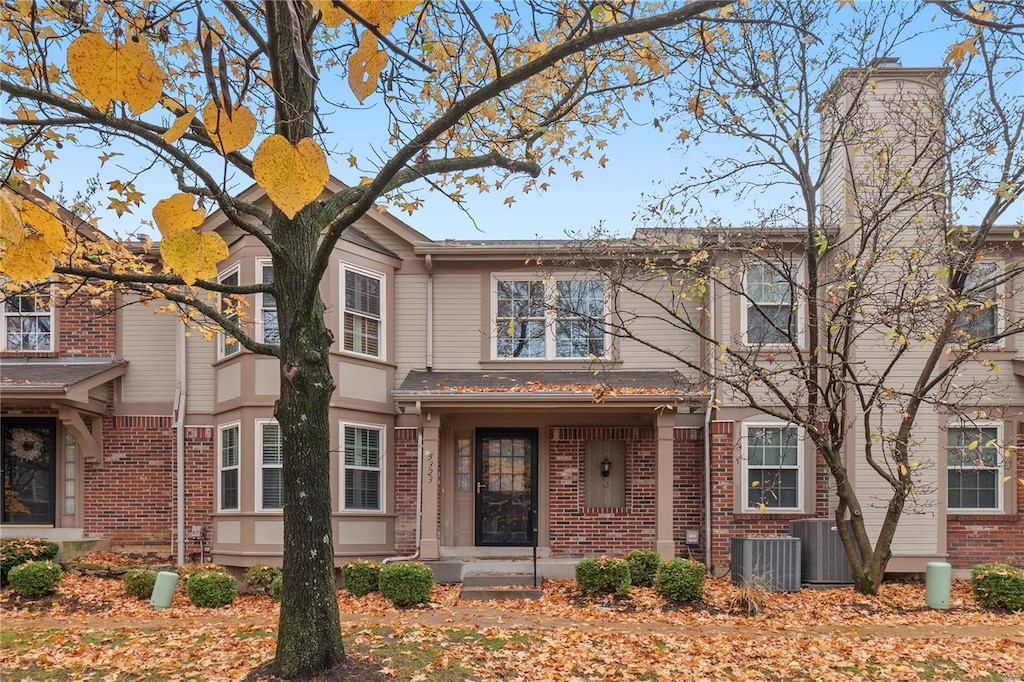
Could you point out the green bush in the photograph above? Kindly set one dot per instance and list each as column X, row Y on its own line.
column 998, row 585
column 680, row 580
column 603, row 575
column 260, row 577
column 211, row 589
column 276, row 585
column 16, row 551
column 406, row 584
column 361, row 577
column 188, row 570
column 138, row 583
column 643, row 566
column 35, row 578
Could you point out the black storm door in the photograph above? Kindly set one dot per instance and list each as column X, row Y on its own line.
column 506, row 490
column 29, row 463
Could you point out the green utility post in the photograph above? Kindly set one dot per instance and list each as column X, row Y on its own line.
column 937, row 579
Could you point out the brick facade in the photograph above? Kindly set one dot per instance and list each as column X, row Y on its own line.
column 406, row 484
column 85, row 329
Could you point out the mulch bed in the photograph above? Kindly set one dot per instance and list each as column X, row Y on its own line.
column 352, row 669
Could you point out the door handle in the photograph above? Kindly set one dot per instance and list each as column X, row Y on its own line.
column 480, row 487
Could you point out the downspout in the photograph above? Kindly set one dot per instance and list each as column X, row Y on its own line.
column 713, row 389
column 419, row 502
column 429, row 261
column 180, row 402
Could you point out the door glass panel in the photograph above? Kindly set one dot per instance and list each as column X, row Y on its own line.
column 29, row 460
column 505, row 493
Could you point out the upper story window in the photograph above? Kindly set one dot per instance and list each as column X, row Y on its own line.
column 267, row 313
column 228, row 344
column 980, row 317
column 772, row 467
column 227, row 467
column 27, row 323
column 549, row 318
column 770, row 317
column 268, row 469
column 362, row 323
column 362, row 470
column 974, row 468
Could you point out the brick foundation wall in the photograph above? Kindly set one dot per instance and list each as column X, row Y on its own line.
column 576, row 530
column 688, row 491
column 973, row 539
column 200, row 483
column 406, row 453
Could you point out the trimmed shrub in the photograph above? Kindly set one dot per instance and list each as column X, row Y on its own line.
column 35, row 578
column 603, row 575
column 16, row 551
column 211, row 589
column 680, row 580
column 361, row 577
column 260, row 577
column 188, row 570
column 998, row 585
column 276, row 585
column 643, row 566
column 406, row 584
column 138, row 583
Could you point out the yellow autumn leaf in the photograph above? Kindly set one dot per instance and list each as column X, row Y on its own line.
column 696, row 106
column 28, row 261
column 762, row 507
column 847, row 2
column 365, row 65
column 176, row 214
column 381, row 14
column 12, row 230
column 180, row 125
column 959, row 51
column 128, row 72
column 726, row 12
column 45, row 225
column 229, row 134
column 293, row 176
column 194, row 255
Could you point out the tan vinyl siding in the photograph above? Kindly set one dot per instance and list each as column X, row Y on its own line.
column 459, row 339
column 148, row 344
column 410, row 324
column 646, row 321
column 200, row 357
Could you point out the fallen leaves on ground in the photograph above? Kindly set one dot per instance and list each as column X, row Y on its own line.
column 833, row 634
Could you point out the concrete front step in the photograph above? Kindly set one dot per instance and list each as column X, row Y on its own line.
column 492, row 593
column 498, row 580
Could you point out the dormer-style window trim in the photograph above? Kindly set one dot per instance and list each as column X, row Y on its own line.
column 363, row 297
column 228, row 345
column 550, row 317
column 28, row 323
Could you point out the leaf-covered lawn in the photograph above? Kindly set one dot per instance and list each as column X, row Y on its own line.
column 90, row 631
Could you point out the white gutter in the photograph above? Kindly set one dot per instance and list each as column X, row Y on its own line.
column 180, row 402
column 429, row 260
column 419, row 503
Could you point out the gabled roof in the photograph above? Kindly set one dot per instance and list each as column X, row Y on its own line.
column 56, row 377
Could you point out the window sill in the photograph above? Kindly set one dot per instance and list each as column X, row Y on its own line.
column 541, row 363
column 770, row 515
column 29, row 354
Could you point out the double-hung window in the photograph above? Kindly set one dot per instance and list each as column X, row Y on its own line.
column 362, row 467
column 549, row 318
column 27, row 322
column 268, row 454
column 267, row 304
column 979, row 318
column 227, row 466
column 361, row 326
column 973, row 468
column 770, row 317
column 772, row 467
column 228, row 344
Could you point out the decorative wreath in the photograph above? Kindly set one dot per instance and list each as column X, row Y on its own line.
column 26, row 445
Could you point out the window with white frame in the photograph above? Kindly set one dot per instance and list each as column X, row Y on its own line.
column 227, row 467
column 27, row 323
column 362, row 467
column 979, row 318
column 268, row 471
column 361, row 326
column 974, row 467
column 770, row 317
column 549, row 318
column 267, row 313
column 228, row 344
column 772, row 467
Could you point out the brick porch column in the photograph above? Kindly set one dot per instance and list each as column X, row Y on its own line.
column 664, row 543
column 430, row 545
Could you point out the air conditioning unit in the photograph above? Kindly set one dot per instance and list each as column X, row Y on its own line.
column 771, row 563
column 824, row 560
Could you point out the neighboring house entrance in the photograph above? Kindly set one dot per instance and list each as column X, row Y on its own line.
column 506, row 490
column 29, row 462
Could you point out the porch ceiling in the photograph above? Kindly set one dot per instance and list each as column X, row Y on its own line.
column 516, row 387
